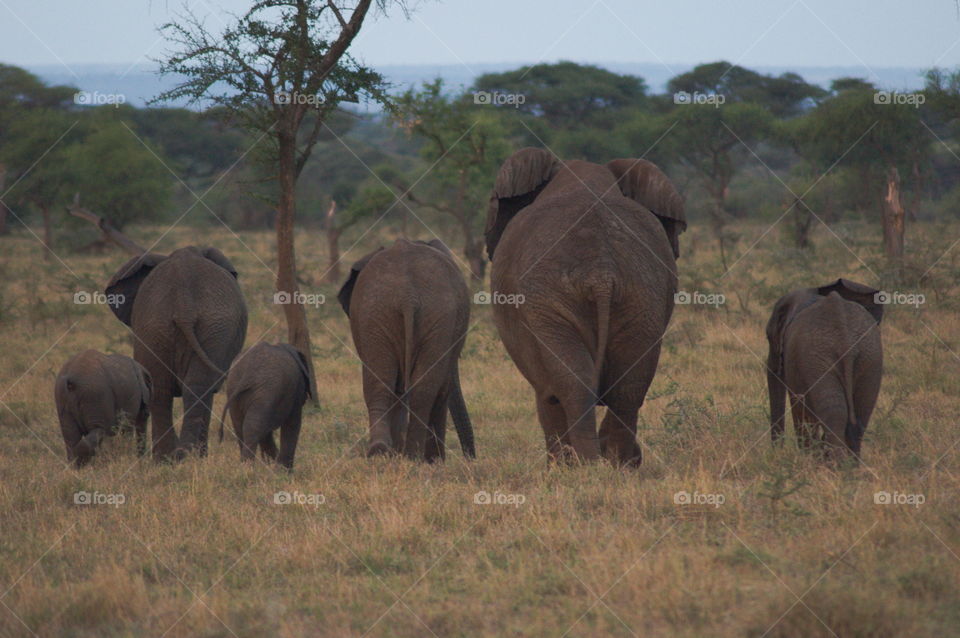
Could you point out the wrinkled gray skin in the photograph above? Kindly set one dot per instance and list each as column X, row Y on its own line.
column 189, row 321
column 95, row 394
column 825, row 351
column 589, row 252
column 266, row 389
column 409, row 309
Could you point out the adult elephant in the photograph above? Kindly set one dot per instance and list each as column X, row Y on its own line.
column 825, row 350
column 189, row 321
column 583, row 281
column 409, row 310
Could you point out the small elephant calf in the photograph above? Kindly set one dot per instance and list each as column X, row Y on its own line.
column 825, row 351
column 95, row 393
column 266, row 389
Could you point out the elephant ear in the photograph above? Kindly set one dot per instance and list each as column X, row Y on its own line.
column 301, row 363
column 857, row 293
column 219, row 259
column 521, row 179
column 346, row 291
column 646, row 184
column 125, row 283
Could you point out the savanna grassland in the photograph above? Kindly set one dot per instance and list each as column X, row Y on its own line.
column 795, row 548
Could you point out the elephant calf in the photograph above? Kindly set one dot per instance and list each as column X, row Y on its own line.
column 825, row 350
column 409, row 308
column 95, row 393
column 266, row 389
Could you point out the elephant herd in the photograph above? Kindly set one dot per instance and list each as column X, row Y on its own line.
column 583, row 279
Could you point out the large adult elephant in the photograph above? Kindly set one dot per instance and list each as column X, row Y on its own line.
column 825, row 350
column 189, row 321
column 584, row 258
column 409, row 310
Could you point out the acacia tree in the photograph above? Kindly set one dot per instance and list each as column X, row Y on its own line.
column 282, row 64
column 874, row 138
column 465, row 143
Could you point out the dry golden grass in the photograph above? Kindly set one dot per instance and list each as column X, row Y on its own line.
column 401, row 549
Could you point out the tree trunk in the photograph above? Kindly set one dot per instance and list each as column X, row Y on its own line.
column 893, row 217
column 110, row 232
column 47, row 232
column 333, row 244
column 298, row 333
column 473, row 250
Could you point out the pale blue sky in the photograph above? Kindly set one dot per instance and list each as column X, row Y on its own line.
column 861, row 33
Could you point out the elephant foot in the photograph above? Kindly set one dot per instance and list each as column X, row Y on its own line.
column 378, row 448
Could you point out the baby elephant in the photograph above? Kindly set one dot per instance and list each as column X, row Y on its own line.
column 96, row 393
column 825, row 351
column 266, row 389
column 409, row 308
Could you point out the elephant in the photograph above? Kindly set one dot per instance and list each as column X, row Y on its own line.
column 583, row 281
column 96, row 394
column 409, row 309
column 825, row 350
column 266, row 389
column 189, row 320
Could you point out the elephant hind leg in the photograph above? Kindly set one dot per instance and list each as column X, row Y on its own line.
column 197, row 407
column 421, row 405
column 579, row 405
column 268, row 447
column 553, row 420
column 828, row 409
column 289, row 435
column 384, row 409
column 803, row 423
column 618, row 436
column 164, row 437
column 140, row 429
column 437, row 429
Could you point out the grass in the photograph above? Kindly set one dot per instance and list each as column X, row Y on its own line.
column 402, row 549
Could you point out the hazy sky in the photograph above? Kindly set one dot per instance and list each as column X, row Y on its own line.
column 865, row 33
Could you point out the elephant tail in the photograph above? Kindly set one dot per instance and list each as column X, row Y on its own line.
column 187, row 329
column 853, row 431
column 602, row 295
column 460, row 416
column 409, row 327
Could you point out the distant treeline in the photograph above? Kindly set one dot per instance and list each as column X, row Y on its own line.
column 739, row 144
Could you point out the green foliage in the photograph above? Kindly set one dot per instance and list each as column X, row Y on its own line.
column 854, row 127
column 567, row 94
column 117, row 175
column 783, row 96
column 464, row 144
